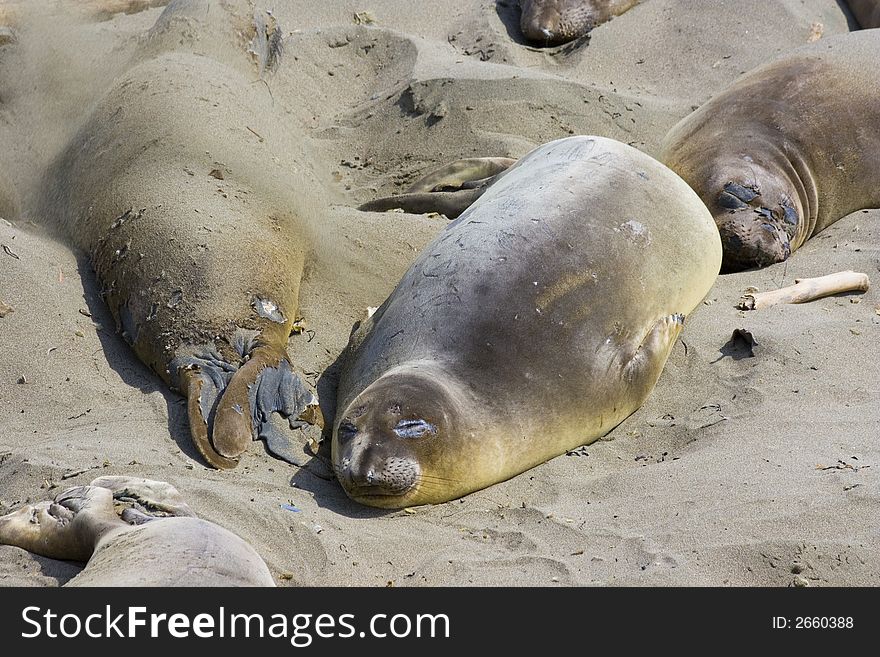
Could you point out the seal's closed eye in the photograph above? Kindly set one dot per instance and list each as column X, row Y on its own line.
column 347, row 430
column 415, row 428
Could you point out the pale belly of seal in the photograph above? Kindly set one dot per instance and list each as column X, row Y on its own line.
column 536, row 322
column 788, row 149
column 551, row 22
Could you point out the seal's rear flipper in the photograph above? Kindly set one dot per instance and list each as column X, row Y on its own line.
column 67, row 528
column 202, row 392
column 280, row 390
column 469, row 173
column 449, row 190
column 449, row 204
column 229, row 407
column 155, row 499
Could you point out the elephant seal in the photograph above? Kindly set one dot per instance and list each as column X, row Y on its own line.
column 786, row 150
column 197, row 226
column 551, row 22
column 534, row 323
column 153, row 540
column 867, row 12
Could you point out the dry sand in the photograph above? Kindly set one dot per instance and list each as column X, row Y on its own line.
column 738, row 470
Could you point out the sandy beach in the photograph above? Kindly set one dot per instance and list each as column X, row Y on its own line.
column 741, row 469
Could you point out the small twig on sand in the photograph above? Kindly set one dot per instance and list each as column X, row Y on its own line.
column 807, row 289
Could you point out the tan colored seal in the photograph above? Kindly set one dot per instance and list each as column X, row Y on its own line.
column 788, row 149
column 551, row 22
column 534, row 323
column 153, row 540
column 198, row 226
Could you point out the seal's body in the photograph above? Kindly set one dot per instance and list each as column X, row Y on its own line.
column 788, row 149
column 197, row 225
column 551, row 22
column 138, row 548
column 536, row 322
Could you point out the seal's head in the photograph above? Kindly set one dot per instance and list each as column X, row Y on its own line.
column 399, row 443
column 757, row 211
column 551, row 22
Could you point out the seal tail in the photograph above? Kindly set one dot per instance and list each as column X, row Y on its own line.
column 449, row 204
column 229, row 407
column 198, row 420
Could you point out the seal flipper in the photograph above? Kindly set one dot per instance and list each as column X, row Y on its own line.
column 201, row 400
column 265, row 384
column 68, row 528
column 646, row 364
column 462, row 174
column 280, row 390
column 449, row 204
column 157, row 499
column 230, row 406
column 450, row 190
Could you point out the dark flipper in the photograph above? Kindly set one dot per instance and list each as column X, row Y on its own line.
column 450, row 190
column 229, row 407
column 450, row 204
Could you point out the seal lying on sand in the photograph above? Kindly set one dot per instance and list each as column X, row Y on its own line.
column 867, row 12
column 157, row 541
column 788, row 149
column 534, row 323
column 551, row 22
column 195, row 216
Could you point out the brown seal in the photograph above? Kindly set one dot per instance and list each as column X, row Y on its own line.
column 534, row 323
column 153, row 539
column 196, row 225
column 786, row 150
column 551, row 22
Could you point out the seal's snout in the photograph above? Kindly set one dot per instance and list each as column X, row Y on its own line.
column 540, row 22
column 754, row 230
column 369, row 467
column 748, row 242
column 370, row 462
column 540, row 32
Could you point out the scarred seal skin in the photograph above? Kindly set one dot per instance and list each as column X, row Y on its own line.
column 786, row 150
column 197, row 228
column 552, row 22
column 155, row 540
column 534, row 323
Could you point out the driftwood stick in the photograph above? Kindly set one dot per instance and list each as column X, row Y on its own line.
column 807, row 289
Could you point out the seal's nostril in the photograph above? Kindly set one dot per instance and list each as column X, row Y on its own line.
column 370, row 476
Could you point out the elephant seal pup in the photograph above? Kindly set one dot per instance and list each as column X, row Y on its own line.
column 154, row 540
column 198, row 230
column 867, row 12
column 788, row 149
column 551, row 22
column 534, row 323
